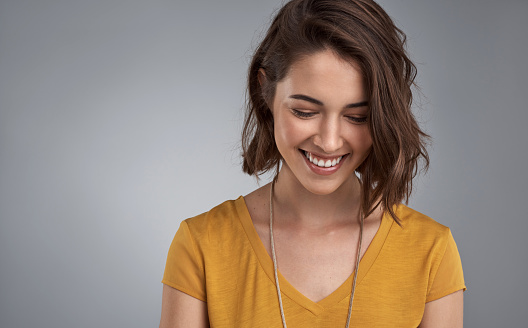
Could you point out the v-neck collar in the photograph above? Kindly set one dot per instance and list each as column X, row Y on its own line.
column 287, row 289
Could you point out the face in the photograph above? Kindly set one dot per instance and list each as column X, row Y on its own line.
column 320, row 115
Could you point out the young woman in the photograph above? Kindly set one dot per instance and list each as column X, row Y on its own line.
column 328, row 243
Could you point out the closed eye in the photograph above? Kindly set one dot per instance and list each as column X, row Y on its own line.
column 353, row 119
column 302, row 114
column 357, row 120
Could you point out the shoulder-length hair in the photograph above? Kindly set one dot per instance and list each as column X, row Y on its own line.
column 358, row 31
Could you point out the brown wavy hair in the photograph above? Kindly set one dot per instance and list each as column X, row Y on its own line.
column 358, row 31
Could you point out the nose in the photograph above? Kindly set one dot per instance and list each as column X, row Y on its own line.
column 328, row 136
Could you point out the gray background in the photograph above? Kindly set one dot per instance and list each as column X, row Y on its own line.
column 118, row 119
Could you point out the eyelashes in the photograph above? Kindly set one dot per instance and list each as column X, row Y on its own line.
column 355, row 119
column 305, row 115
column 302, row 114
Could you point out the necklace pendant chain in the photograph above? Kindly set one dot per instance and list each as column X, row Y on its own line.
column 276, row 269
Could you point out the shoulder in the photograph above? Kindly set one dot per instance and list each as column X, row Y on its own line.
column 201, row 246
column 222, row 219
column 422, row 244
column 415, row 222
column 419, row 231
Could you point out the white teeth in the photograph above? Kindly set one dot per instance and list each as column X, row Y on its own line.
column 322, row 162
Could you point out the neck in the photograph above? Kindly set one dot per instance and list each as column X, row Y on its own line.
column 299, row 207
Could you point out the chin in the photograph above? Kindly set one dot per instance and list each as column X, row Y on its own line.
column 322, row 188
column 317, row 185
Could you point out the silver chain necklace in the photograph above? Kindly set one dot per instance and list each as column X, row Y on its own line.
column 276, row 271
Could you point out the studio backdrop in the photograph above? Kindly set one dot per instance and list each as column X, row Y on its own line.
column 119, row 119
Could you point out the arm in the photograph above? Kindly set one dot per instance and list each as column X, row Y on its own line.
column 179, row 310
column 445, row 312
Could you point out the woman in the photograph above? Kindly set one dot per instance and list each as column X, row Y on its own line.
column 328, row 243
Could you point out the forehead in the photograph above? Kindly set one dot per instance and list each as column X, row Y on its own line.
column 324, row 59
column 326, row 76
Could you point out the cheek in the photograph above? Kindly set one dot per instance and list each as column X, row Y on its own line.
column 361, row 139
column 287, row 132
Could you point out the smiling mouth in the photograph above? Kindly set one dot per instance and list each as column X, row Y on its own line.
column 322, row 162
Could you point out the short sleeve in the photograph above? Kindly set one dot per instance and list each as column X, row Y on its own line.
column 449, row 276
column 184, row 269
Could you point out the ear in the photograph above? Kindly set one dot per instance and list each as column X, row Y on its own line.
column 261, row 75
column 263, row 81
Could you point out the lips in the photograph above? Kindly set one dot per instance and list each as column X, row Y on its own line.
column 321, row 161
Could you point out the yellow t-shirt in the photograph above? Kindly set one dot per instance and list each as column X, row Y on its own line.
column 218, row 257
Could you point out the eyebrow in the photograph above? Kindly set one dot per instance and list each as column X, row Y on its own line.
column 320, row 103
